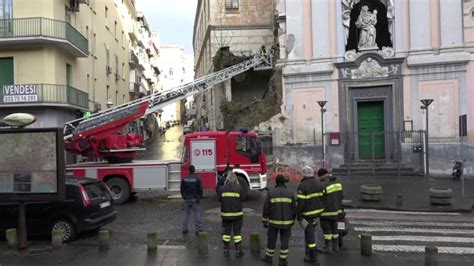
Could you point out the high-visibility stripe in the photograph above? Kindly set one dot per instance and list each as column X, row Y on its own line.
column 330, row 213
column 270, row 252
column 287, row 200
column 231, row 214
column 237, row 239
column 226, row 238
column 230, row 195
column 327, row 236
column 336, row 236
column 264, row 219
column 313, row 245
column 310, row 196
column 313, row 212
column 283, row 256
column 281, row 222
column 284, row 251
column 333, row 188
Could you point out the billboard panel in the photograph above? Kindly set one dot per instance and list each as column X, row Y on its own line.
column 31, row 164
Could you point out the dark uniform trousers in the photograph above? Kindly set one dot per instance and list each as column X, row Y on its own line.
column 309, row 233
column 329, row 226
column 272, row 236
column 229, row 226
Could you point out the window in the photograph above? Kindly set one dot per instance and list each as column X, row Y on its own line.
column 171, row 72
column 93, row 44
column 116, row 65
column 123, row 41
column 107, row 56
column 463, row 125
column 6, row 9
column 67, row 15
column 115, row 30
column 231, row 4
column 106, row 11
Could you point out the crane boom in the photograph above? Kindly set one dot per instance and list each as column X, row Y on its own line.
column 99, row 134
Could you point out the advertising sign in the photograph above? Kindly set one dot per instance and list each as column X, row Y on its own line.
column 31, row 165
column 20, row 93
column 203, row 155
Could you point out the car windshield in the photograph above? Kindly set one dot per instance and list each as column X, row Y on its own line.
column 95, row 190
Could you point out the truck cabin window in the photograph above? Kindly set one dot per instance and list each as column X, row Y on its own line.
column 248, row 146
column 185, row 155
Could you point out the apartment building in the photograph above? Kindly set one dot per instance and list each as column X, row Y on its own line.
column 61, row 58
column 243, row 26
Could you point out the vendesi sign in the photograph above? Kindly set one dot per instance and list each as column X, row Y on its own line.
column 20, row 93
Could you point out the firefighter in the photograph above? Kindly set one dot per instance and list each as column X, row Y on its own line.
column 332, row 208
column 310, row 206
column 191, row 192
column 263, row 52
column 232, row 214
column 279, row 213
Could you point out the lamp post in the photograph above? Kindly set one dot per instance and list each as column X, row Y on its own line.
column 322, row 104
column 426, row 103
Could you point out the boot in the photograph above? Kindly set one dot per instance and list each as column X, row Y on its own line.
column 335, row 245
column 327, row 247
column 267, row 259
column 226, row 249
column 238, row 250
column 310, row 256
column 282, row 262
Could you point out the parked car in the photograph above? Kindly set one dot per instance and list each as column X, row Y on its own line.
column 88, row 206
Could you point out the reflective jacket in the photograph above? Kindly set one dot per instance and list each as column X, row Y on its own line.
column 191, row 187
column 231, row 205
column 279, row 209
column 310, row 193
column 332, row 201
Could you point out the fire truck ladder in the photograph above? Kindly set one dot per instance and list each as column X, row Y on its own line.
column 159, row 99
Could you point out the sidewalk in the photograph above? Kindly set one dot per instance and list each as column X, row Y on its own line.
column 90, row 255
column 415, row 192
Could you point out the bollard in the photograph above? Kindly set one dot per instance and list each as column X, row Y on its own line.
column 152, row 241
column 12, row 238
column 203, row 247
column 255, row 243
column 431, row 256
column 366, row 245
column 104, row 236
column 399, row 200
column 56, row 238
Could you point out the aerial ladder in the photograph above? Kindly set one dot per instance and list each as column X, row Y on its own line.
column 102, row 135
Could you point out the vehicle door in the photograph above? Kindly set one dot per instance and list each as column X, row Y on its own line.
column 203, row 157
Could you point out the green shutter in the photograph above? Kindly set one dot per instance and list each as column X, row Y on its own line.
column 6, row 74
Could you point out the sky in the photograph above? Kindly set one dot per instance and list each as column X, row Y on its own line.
column 172, row 19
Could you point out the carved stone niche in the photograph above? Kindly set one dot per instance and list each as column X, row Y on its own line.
column 373, row 18
column 369, row 66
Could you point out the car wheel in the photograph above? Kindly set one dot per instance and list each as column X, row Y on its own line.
column 244, row 191
column 120, row 190
column 67, row 227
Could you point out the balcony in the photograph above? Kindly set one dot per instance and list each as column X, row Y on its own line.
column 133, row 32
column 133, row 60
column 24, row 32
column 135, row 88
column 43, row 94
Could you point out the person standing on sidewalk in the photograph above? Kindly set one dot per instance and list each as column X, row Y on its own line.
column 191, row 192
column 232, row 213
column 310, row 206
column 279, row 213
column 332, row 208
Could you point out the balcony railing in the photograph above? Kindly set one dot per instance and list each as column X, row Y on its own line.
column 42, row 28
column 133, row 59
column 43, row 94
column 134, row 88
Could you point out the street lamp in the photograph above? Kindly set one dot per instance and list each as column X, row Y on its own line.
column 322, row 104
column 426, row 103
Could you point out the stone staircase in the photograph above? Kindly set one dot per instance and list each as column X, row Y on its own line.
column 377, row 168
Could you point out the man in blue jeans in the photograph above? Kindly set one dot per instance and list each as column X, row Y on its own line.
column 191, row 192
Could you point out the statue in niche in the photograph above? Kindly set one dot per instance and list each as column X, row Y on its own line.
column 366, row 23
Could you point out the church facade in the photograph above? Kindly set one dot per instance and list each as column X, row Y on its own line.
column 373, row 62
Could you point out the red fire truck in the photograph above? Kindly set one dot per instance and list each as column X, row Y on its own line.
column 102, row 136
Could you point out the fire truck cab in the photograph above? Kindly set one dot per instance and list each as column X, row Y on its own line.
column 210, row 152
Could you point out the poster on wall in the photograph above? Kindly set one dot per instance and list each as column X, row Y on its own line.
column 31, row 164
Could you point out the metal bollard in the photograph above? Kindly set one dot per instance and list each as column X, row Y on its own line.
column 56, row 238
column 399, row 200
column 104, row 236
column 12, row 238
column 366, row 245
column 255, row 243
column 431, row 256
column 203, row 246
column 152, row 241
